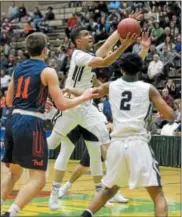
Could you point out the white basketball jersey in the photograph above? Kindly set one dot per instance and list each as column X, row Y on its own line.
column 80, row 75
column 130, row 107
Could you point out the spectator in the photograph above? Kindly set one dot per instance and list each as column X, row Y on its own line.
column 171, row 87
column 167, row 98
column 28, row 29
column 174, row 29
column 72, row 21
column 5, row 80
column 37, row 15
column 13, row 12
column 167, row 59
column 155, row 69
column 178, row 113
column 167, row 43
column 20, row 56
column 22, row 12
column 157, row 31
column 6, row 26
column 114, row 5
column 165, row 23
column 137, row 47
column 11, row 64
column 178, row 44
column 63, row 60
column 49, row 14
column 167, row 32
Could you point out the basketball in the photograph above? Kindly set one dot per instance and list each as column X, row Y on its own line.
column 128, row 25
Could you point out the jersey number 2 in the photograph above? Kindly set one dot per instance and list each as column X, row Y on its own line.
column 25, row 82
column 126, row 98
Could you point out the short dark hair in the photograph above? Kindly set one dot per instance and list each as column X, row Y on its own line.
column 35, row 43
column 75, row 33
column 131, row 63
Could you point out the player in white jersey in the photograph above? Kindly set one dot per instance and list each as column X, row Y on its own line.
column 86, row 115
column 129, row 157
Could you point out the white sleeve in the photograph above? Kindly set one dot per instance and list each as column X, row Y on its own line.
column 82, row 58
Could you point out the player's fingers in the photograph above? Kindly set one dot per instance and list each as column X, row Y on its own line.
column 128, row 35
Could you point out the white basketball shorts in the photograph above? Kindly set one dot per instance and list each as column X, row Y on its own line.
column 131, row 162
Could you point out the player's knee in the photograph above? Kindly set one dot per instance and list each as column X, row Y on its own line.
column 53, row 141
column 15, row 171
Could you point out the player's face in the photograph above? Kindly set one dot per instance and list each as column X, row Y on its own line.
column 86, row 39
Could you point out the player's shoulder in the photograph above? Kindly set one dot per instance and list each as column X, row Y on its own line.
column 144, row 84
column 78, row 52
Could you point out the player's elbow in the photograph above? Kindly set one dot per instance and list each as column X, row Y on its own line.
column 61, row 106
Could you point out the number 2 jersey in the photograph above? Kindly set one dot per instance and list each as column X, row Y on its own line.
column 131, row 107
column 80, row 75
column 29, row 92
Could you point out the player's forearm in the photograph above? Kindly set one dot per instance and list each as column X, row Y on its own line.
column 143, row 53
column 108, row 45
column 111, row 58
column 65, row 103
column 76, row 92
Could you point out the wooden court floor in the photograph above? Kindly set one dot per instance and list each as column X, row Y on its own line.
column 82, row 192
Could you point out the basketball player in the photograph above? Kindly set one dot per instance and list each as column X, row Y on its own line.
column 129, row 156
column 85, row 161
column 25, row 139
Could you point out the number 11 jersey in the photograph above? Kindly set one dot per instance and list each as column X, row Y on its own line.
column 131, row 107
column 80, row 75
column 29, row 92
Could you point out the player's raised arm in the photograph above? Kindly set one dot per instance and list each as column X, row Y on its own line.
column 108, row 44
column 145, row 42
column 166, row 111
column 111, row 58
column 50, row 79
column 10, row 93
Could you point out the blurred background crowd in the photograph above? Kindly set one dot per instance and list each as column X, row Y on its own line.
column 162, row 66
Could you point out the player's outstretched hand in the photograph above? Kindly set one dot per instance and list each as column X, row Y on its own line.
column 145, row 40
column 129, row 40
column 48, row 105
column 90, row 94
column 136, row 16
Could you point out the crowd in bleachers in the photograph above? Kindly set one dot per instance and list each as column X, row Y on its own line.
column 162, row 66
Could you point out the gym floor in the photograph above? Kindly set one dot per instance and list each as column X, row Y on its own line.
column 82, row 191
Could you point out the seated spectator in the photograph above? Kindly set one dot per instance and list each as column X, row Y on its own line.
column 137, row 47
column 178, row 113
column 155, row 69
column 167, row 98
column 5, row 80
column 169, row 129
column 178, row 44
column 72, row 21
column 168, row 43
column 167, row 58
column 49, row 14
column 170, row 85
column 20, row 56
column 6, row 26
column 166, row 33
column 157, row 31
column 174, row 29
column 13, row 12
column 28, row 29
column 63, row 60
column 37, row 15
column 22, row 12
column 114, row 5
column 11, row 64
column 165, row 22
